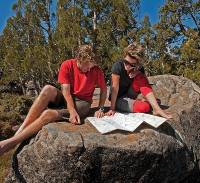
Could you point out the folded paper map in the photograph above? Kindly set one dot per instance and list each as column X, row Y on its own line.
column 128, row 122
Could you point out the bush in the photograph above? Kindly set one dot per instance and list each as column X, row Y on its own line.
column 11, row 110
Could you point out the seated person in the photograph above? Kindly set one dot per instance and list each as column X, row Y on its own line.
column 78, row 78
column 130, row 90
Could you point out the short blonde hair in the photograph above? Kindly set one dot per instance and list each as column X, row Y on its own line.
column 85, row 53
column 135, row 50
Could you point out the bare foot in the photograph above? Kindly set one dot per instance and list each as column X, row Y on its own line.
column 5, row 146
column 163, row 114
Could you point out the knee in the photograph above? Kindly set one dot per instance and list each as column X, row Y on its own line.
column 141, row 106
column 48, row 91
column 48, row 116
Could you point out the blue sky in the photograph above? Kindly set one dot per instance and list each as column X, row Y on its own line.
column 148, row 7
column 151, row 9
column 5, row 12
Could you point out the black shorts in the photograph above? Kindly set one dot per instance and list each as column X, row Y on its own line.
column 82, row 107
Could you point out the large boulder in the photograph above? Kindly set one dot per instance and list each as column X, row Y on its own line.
column 183, row 98
column 62, row 152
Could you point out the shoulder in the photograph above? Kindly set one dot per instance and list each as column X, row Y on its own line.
column 117, row 67
column 69, row 62
column 118, row 63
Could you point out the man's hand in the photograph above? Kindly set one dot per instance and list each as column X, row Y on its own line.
column 99, row 114
column 74, row 118
column 110, row 112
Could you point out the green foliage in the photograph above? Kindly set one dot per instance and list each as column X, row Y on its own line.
column 172, row 45
column 39, row 37
column 28, row 41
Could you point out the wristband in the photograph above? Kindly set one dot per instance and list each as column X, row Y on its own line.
column 101, row 109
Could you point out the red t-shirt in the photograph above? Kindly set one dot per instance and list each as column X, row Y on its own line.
column 141, row 84
column 82, row 84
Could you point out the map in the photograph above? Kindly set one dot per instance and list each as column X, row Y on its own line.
column 128, row 122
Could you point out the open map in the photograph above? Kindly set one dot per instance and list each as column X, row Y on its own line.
column 128, row 122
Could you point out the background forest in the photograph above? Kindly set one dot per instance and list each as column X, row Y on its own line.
column 44, row 33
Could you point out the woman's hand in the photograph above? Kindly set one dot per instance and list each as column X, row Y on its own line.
column 110, row 112
column 99, row 114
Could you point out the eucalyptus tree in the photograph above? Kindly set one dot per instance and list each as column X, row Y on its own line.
column 70, row 30
column 107, row 25
column 179, row 25
column 115, row 22
column 43, row 33
column 28, row 41
column 146, row 35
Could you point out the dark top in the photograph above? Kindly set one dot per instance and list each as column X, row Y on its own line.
column 125, row 81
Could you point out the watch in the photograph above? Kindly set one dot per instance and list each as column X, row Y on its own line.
column 101, row 109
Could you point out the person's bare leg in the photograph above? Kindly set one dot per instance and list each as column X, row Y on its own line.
column 48, row 94
column 46, row 117
column 156, row 108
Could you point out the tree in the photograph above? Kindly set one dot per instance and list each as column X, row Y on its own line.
column 179, row 24
column 28, row 42
column 115, row 23
column 190, row 57
column 104, row 24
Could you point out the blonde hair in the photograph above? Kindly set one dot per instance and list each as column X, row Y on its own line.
column 134, row 50
column 85, row 53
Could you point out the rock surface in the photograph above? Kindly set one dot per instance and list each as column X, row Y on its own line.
column 183, row 98
column 62, row 152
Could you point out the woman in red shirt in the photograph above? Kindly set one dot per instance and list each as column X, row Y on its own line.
column 128, row 82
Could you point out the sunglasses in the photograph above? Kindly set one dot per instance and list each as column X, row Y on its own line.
column 127, row 63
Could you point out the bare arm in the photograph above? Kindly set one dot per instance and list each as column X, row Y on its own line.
column 103, row 95
column 114, row 88
column 74, row 117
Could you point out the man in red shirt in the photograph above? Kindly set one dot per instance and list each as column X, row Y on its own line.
column 78, row 78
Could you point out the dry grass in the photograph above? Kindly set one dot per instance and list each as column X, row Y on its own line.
column 5, row 163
